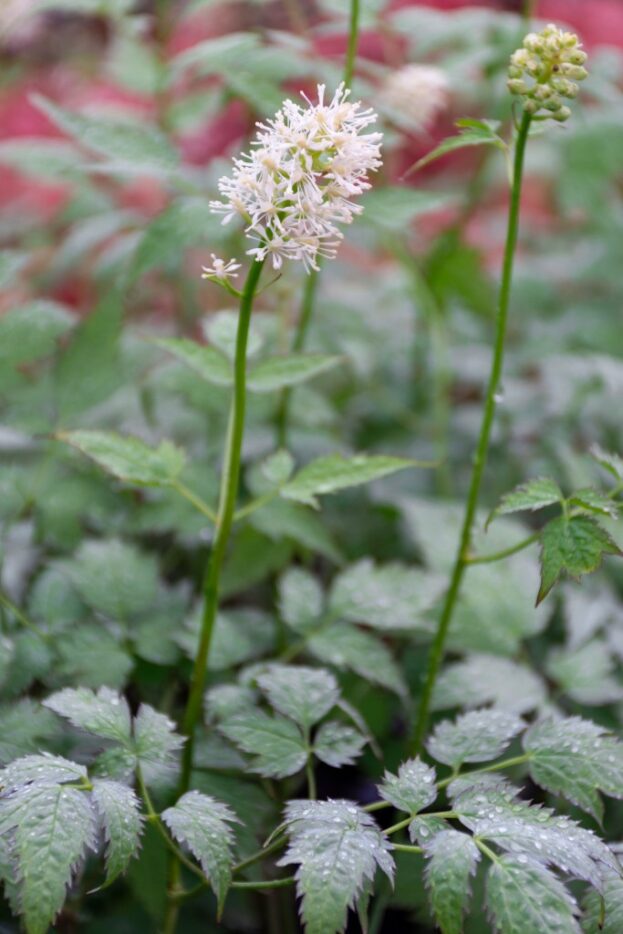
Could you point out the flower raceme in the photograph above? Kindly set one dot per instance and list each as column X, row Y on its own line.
column 546, row 70
column 414, row 95
column 298, row 182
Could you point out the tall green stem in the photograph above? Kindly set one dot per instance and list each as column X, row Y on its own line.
column 480, row 458
column 224, row 519
column 353, row 40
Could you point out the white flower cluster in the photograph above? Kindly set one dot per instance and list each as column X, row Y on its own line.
column 546, row 70
column 414, row 95
column 297, row 183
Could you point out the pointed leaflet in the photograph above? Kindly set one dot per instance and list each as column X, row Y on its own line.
column 303, row 694
column 334, row 472
column 338, row 744
column 574, row 546
column 533, row 495
column 156, row 744
column 207, row 362
column 104, row 713
column 577, row 759
column 201, row 823
column 474, row 737
column 275, row 373
column 40, row 769
column 595, row 501
column 120, row 815
column 276, row 743
column 412, row 789
column 128, row 458
column 48, row 828
column 301, row 600
column 609, row 461
column 524, row 898
column 337, row 848
column 484, row 679
column 452, row 858
column 471, row 133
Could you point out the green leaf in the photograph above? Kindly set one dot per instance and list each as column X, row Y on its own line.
column 156, row 744
column 603, row 912
column 346, row 646
column 276, row 469
column 40, row 158
column 135, row 147
column 533, row 495
column 187, row 222
column 31, row 331
column 114, row 578
column 334, row 472
column 225, row 700
column 412, row 789
column 25, row 724
column 586, row 674
column 212, row 56
column 288, row 520
column 202, row 824
column 275, row 373
column 388, row 597
column 90, row 370
column 48, row 827
column 593, row 501
column 452, row 858
column 471, row 133
column 301, row 600
column 104, row 713
column 338, row 744
column 208, row 362
column 395, row 207
column 120, row 813
column 40, row 769
column 275, row 743
column 609, row 461
column 92, row 657
column 524, row 898
column 488, row 679
column 128, row 458
column 303, row 694
column 337, row 848
column 477, row 736
column 576, row 759
column 574, row 546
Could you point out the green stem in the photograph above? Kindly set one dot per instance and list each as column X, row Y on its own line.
column 486, row 850
column 224, row 519
column 22, row 618
column 406, row 848
column 437, row 649
column 197, row 502
column 261, row 854
column 353, row 40
column 505, row 553
column 504, row 764
column 268, row 884
column 311, row 779
column 399, row 826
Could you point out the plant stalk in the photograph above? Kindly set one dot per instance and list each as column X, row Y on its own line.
column 480, row 458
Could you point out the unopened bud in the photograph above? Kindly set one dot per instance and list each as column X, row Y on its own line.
column 545, row 70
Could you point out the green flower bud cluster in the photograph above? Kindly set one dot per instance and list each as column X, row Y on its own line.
column 546, row 71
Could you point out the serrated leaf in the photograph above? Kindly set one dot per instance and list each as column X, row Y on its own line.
column 349, row 647
column 412, row 789
column 276, row 743
column 609, row 461
column 275, row 373
column 477, row 736
column 136, row 147
column 128, row 458
column 452, row 858
column 573, row 546
column 206, row 361
column 338, row 744
column 387, row 597
column 277, row 468
column 49, row 828
column 334, row 472
column 31, row 331
column 202, row 824
column 120, row 814
column 524, row 898
column 424, row 827
column 40, row 769
column 156, row 743
column 471, row 133
column 489, row 679
column 494, row 812
column 301, row 599
column 586, row 674
column 303, row 694
column 577, row 759
column 224, row 700
column 594, row 501
column 337, row 848
column 104, row 713
column 533, row 495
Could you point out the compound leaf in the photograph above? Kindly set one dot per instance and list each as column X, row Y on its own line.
column 276, row 743
column 476, row 736
column 338, row 744
column 334, row 472
column 524, row 898
column 128, row 458
column 275, row 373
column 120, row 815
column 412, row 789
column 452, row 858
column 104, row 713
column 303, row 694
column 533, row 495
